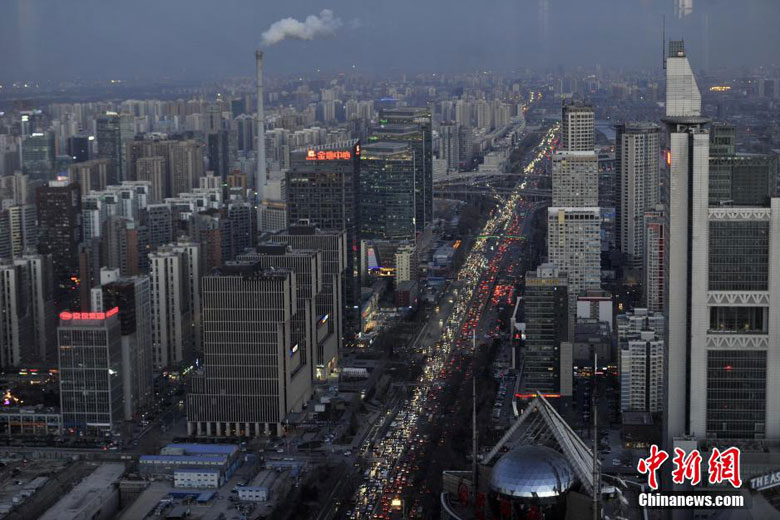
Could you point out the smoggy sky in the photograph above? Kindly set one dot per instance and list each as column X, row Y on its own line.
column 209, row 39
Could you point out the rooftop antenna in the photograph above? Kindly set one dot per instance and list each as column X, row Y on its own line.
column 663, row 41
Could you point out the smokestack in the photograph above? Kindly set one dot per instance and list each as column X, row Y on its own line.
column 260, row 174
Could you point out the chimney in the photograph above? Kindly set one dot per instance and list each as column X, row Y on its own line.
column 260, row 174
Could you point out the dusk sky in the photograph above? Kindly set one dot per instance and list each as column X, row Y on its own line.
column 204, row 39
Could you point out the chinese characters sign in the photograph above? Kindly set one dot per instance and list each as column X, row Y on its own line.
column 722, row 466
column 328, row 155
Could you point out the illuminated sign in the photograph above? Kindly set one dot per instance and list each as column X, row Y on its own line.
column 668, row 157
column 69, row 316
column 329, row 155
column 720, row 88
column 531, row 396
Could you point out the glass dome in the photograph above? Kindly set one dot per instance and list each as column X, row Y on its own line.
column 532, row 472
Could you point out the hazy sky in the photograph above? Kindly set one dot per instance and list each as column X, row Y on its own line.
column 210, row 39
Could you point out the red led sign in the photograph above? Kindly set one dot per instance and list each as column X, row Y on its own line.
column 68, row 316
column 329, row 155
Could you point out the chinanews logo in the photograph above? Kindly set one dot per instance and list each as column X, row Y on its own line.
column 723, row 469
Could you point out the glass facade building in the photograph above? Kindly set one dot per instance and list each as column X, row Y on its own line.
column 736, row 394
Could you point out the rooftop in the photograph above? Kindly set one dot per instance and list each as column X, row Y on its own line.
column 88, row 495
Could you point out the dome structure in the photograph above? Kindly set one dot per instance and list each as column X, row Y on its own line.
column 532, row 472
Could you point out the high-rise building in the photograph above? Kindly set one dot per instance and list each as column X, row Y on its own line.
column 78, row 148
column 641, row 348
column 109, row 144
column 132, row 296
column 574, row 246
column 575, row 179
column 16, row 187
column 387, row 191
column 250, row 383
column 152, row 169
column 218, row 153
column 307, row 266
column 323, row 186
column 158, row 220
column 422, row 145
column 90, row 364
column 59, row 208
column 654, row 268
column 405, row 264
column 38, row 151
column 637, row 149
column 721, row 294
column 26, row 311
column 22, row 229
column 738, row 179
column 330, row 300
column 546, row 307
column 449, row 145
column 175, row 280
column 91, row 175
column 125, row 245
column 577, row 127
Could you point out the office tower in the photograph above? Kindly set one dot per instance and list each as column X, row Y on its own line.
column 175, row 280
column 574, row 246
column 110, row 143
column 406, row 264
column 330, row 300
column 637, row 148
column 273, row 216
column 738, row 179
column 218, row 152
column 90, row 363
column 654, row 268
column 449, row 146
column 241, row 217
column 90, row 175
column 158, row 220
column 78, row 148
column 641, row 348
column 22, row 229
column 38, row 151
column 59, row 206
column 387, row 191
column 16, row 187
column 132, row 295
column 125, row 245
column 721, row 298
column 250, row 380
column 575, row 180
column 183, row 164
column 546, row 307
column 323, row 186
column 577, row 127
column 466, row 146
column 152, row 170
column 422, row 145
column 307, row 266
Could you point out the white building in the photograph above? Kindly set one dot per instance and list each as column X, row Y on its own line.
column 653, row 268
column 197, row 478
column 577, row 127
column 641, row 373
column 574, row 245
column 405, row 264
column 723, row 300
column 575, row 179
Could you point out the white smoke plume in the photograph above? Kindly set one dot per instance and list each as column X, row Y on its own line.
column 312, row 27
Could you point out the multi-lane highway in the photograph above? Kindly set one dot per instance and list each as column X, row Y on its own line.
column 392, row 452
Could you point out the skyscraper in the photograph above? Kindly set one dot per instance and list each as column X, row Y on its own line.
column 574, row 246
column 109, row 144
column 387, row 191
column 330, row 300
column 422, row 144
column 577, row 127
column 654, row 267
column 250, row 380
column 59, row 206
column 637, row 149
column 38, row 151
column 449, row 148
column 323, row 186
column 546, row 309
column 641, row 349
column 90, row 364
column 175, row 278
column 91, row 175
column 575, row 179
